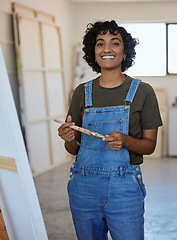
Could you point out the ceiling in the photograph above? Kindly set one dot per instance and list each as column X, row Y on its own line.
column 122, row 1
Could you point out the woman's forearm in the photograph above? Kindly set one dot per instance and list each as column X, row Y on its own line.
column 143, row 146
column 139, row 146
column 72, row 147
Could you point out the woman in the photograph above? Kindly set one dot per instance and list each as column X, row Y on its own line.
column 106, row 189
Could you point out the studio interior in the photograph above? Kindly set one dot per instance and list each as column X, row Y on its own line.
column 41, row 45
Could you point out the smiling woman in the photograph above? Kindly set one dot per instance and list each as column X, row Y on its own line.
column 102, row 28
column 106, row 190
column 109, row 51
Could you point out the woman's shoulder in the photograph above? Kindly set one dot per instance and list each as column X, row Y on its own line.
column 144, row 91
column 80, row 88
column 144, row 86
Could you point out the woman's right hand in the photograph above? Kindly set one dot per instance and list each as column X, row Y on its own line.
column 65, row 132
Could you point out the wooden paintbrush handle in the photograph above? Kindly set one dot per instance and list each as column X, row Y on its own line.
column 83, row 130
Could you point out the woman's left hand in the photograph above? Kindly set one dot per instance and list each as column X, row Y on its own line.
column 115, row 140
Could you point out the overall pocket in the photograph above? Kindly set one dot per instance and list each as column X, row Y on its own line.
column 137, row 177
column 72, row 176
column 104, row 128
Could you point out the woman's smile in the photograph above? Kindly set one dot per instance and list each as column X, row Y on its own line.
column 109, row 50
column 108, row 57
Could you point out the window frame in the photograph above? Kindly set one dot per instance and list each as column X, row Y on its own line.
column 167, row 41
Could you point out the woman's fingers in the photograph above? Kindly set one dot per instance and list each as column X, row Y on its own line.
column 65, row 132
column 115, row 140
column 69, row 119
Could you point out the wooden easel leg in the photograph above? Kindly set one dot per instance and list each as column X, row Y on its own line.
column 3, row 231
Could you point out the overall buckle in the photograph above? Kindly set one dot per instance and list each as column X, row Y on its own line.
column 126, row 104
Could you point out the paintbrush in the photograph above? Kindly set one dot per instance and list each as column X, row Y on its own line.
column 83, row 130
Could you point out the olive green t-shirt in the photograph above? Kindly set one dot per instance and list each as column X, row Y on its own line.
column 144, row 110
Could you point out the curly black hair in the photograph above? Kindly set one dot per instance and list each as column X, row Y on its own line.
column 89, row 42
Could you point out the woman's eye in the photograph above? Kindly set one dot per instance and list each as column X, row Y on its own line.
column 99, row 44
column 115, row 43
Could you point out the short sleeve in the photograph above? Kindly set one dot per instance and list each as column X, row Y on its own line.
column 76, row 105
column 150, row 115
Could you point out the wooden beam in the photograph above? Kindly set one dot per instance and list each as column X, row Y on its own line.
column 8, row 164
column 15, row 7
column 3, row 231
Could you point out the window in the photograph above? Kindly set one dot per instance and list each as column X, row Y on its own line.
column 172, row 48
column 151, row 51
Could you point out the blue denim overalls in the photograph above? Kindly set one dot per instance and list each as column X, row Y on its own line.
column 105, row 191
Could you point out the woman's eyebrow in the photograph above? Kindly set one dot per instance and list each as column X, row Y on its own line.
column 112, row 39
column 116, row 39
column 99, row 39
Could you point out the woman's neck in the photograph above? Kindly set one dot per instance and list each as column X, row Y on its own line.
column 111, row 79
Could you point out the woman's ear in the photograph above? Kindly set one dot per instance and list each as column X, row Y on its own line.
column 125, row 55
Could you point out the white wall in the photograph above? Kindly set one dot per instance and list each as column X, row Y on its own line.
column 122, row 12
column 62, row 11
column 129, row 12
column 74, row 16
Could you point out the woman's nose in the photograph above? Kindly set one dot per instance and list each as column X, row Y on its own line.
column 107, row 48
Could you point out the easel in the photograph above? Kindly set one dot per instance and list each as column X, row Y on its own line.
column 3, row 231
column 18, row 197
column 7, row 164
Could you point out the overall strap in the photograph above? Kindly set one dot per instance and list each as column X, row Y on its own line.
column 88, row 94
column 132, row 90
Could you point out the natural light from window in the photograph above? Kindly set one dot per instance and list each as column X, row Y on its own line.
column 151, row 51
column 172, row 48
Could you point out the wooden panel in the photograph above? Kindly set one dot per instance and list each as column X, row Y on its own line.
column 172, row 134
column 34, row 95
column 8, row 164
column 30, row 44
column 45, row 17
column 38, row 146
column 42, row 90
column 161, row 96
column 58, row 151
column 51, row 47
column 55, row 91
column 161, row 146
column 23, row 10
column 33, row 13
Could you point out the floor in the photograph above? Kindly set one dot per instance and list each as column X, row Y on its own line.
column 160, row 177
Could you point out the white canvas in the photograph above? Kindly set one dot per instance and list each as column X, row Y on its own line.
column 18, row 198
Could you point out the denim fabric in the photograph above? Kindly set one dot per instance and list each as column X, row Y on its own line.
column 105, row 191
column 107, row 198
column 88, row 93
column 132, row 90
column 94, row 151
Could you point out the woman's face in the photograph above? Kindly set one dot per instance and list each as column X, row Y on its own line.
column 109, row 50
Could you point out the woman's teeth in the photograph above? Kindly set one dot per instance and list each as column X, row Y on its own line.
column 108, row 57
